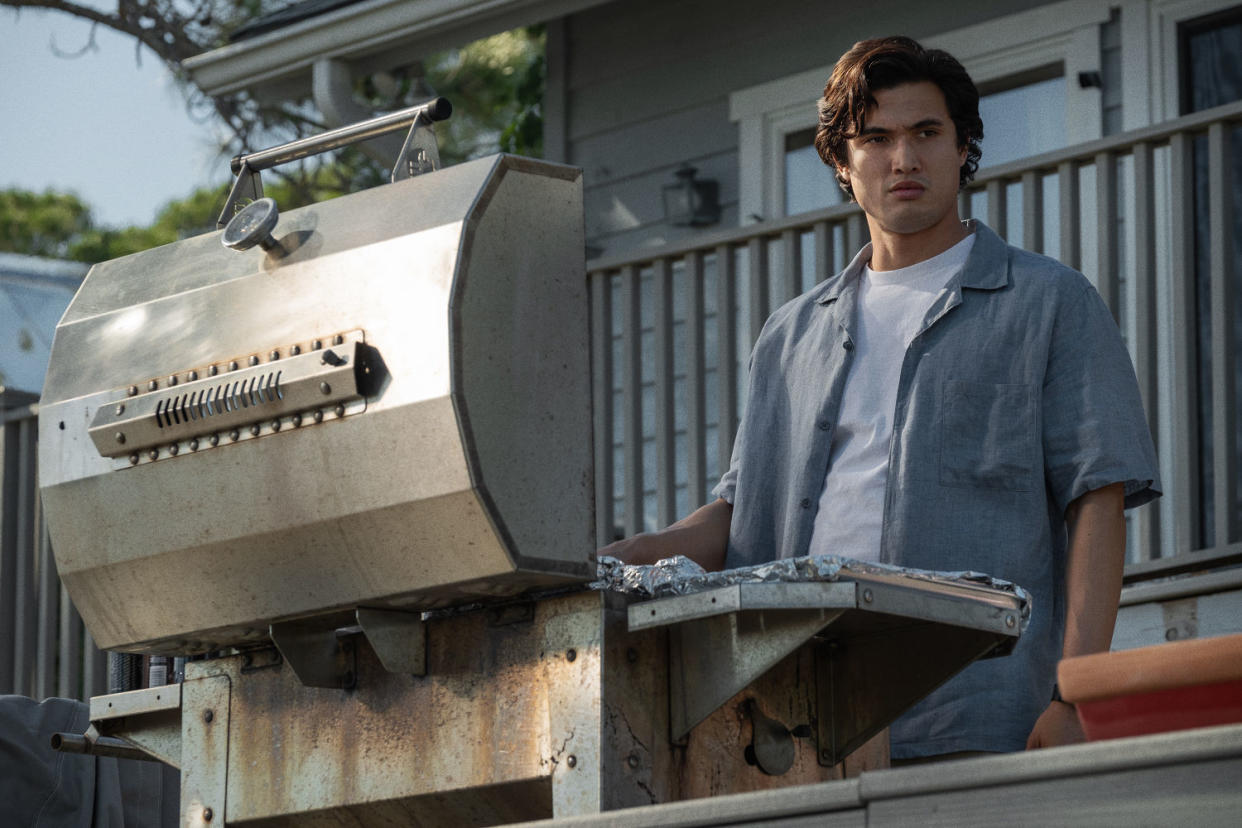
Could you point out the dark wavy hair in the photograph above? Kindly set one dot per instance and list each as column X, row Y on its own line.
column 883, row 63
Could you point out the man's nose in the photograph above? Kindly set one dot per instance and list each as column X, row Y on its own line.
column 905, row 156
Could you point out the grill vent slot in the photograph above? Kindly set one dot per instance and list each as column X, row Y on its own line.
column 202, row 404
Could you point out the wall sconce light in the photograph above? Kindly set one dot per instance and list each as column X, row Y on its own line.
column 689, row 202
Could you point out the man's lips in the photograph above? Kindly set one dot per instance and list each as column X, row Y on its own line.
column 907, row 189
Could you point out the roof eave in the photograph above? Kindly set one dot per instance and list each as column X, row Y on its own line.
column 374, row 29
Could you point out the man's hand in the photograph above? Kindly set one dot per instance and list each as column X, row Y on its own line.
column 702, row 536
column 1057, row 725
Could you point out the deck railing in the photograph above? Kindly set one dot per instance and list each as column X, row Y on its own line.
column 44, row 648
column 1148, row 216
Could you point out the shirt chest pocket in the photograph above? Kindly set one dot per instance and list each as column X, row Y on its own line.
column 988, row 436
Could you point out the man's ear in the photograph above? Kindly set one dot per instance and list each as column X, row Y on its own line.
column 844, row 172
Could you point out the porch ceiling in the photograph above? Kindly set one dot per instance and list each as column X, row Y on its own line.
column 374, row 35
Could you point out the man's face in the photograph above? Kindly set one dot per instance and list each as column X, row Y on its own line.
column 904, row 164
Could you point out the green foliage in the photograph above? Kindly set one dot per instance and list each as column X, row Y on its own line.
column 41, row 224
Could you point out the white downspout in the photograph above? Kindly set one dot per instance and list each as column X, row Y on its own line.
column 332, row 86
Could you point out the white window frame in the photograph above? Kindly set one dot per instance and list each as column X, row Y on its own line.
column 1065, row 32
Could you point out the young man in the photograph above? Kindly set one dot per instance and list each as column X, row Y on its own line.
column 946, row 402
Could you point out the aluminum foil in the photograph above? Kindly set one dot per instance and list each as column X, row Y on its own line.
column 681, row 576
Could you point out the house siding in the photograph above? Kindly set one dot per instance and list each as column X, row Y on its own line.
column 649, row 83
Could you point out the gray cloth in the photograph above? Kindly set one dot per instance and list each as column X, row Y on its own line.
column 1016, row 397
column 44, row 788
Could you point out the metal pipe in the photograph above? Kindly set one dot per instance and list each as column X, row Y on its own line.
column 437, row 109
column 101, row 746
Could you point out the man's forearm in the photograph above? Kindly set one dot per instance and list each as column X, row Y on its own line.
column 1093, row 570
column 702, row 536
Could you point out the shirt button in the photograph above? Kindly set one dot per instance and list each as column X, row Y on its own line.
column 824, row 425
column 806, row 503
column 848, row 345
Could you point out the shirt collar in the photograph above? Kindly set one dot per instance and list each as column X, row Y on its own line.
column 986, row 268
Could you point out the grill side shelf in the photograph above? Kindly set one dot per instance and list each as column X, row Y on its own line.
column 254, row 394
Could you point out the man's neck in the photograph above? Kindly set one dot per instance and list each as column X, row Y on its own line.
column 893, row 251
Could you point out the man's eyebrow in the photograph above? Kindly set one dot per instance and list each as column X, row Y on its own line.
column 923, row 124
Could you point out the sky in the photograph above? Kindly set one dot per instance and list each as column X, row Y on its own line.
column 115, row 133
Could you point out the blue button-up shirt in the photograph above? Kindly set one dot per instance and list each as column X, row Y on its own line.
column 1016, row 397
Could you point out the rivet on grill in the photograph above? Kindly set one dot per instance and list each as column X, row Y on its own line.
column 172, row 380
column 275, row 425
column 274, row 355
column 133, row 390
column 208, row 814
column 1010, row 621
column 254, row 359
column 234, row 435
column 338, row 339
column 297, row 420
column 632, row 761
column 193, row 375
column 233, row 365
column 133, row 459
column 194, row 444
column 120, row 438
column 867, row 596
column 214, row 439
column 295, row 350
column 208, row 716
column 213, row 370
column 316, row 345
column 340, row 410
column 572, row 761
column 325, row 388
column 318, row 416
column 254, row 430
column 571, row 654
column 120, row 409
column 154, row 454
column 153, row 384
column 173, row 449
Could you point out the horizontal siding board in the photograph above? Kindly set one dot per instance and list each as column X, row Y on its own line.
column 664, row 141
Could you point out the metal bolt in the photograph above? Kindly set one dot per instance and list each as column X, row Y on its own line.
column 172, row 380
column 316, row 345
column 120, row 438
column 254, row 430
column 1010, row 621
column 154, row 454
column 1170, row 634
column 133, row 390
column 173, row 449
column 572, row 761
column 338, row 339
column 254, row 359
column 275, row 425
column 153, row 384
column 571, row 654
column 234, row 435
column 297, row 420
column 325, row 388
column 214, row 439
column 193, row 375
column 208, row 814
column 208, row 716
column 632, row 761
column 868, row 597
column 631, row 655
column 295, row 350
column 194, row 444
column 825, row 755
column 213, row 370
column 133, row 459
column 318, row 416
column 340, row 410
column 274, row 355
column 233, row 365
column 120, row 409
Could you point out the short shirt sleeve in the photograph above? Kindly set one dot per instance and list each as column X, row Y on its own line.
column 1095, row 432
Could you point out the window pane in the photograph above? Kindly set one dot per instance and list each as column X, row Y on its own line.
column 809, row 182
column 1022, row 122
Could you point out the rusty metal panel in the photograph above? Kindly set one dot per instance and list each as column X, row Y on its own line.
column 205, row 730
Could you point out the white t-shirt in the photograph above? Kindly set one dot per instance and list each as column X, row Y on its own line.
column 890, row 312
